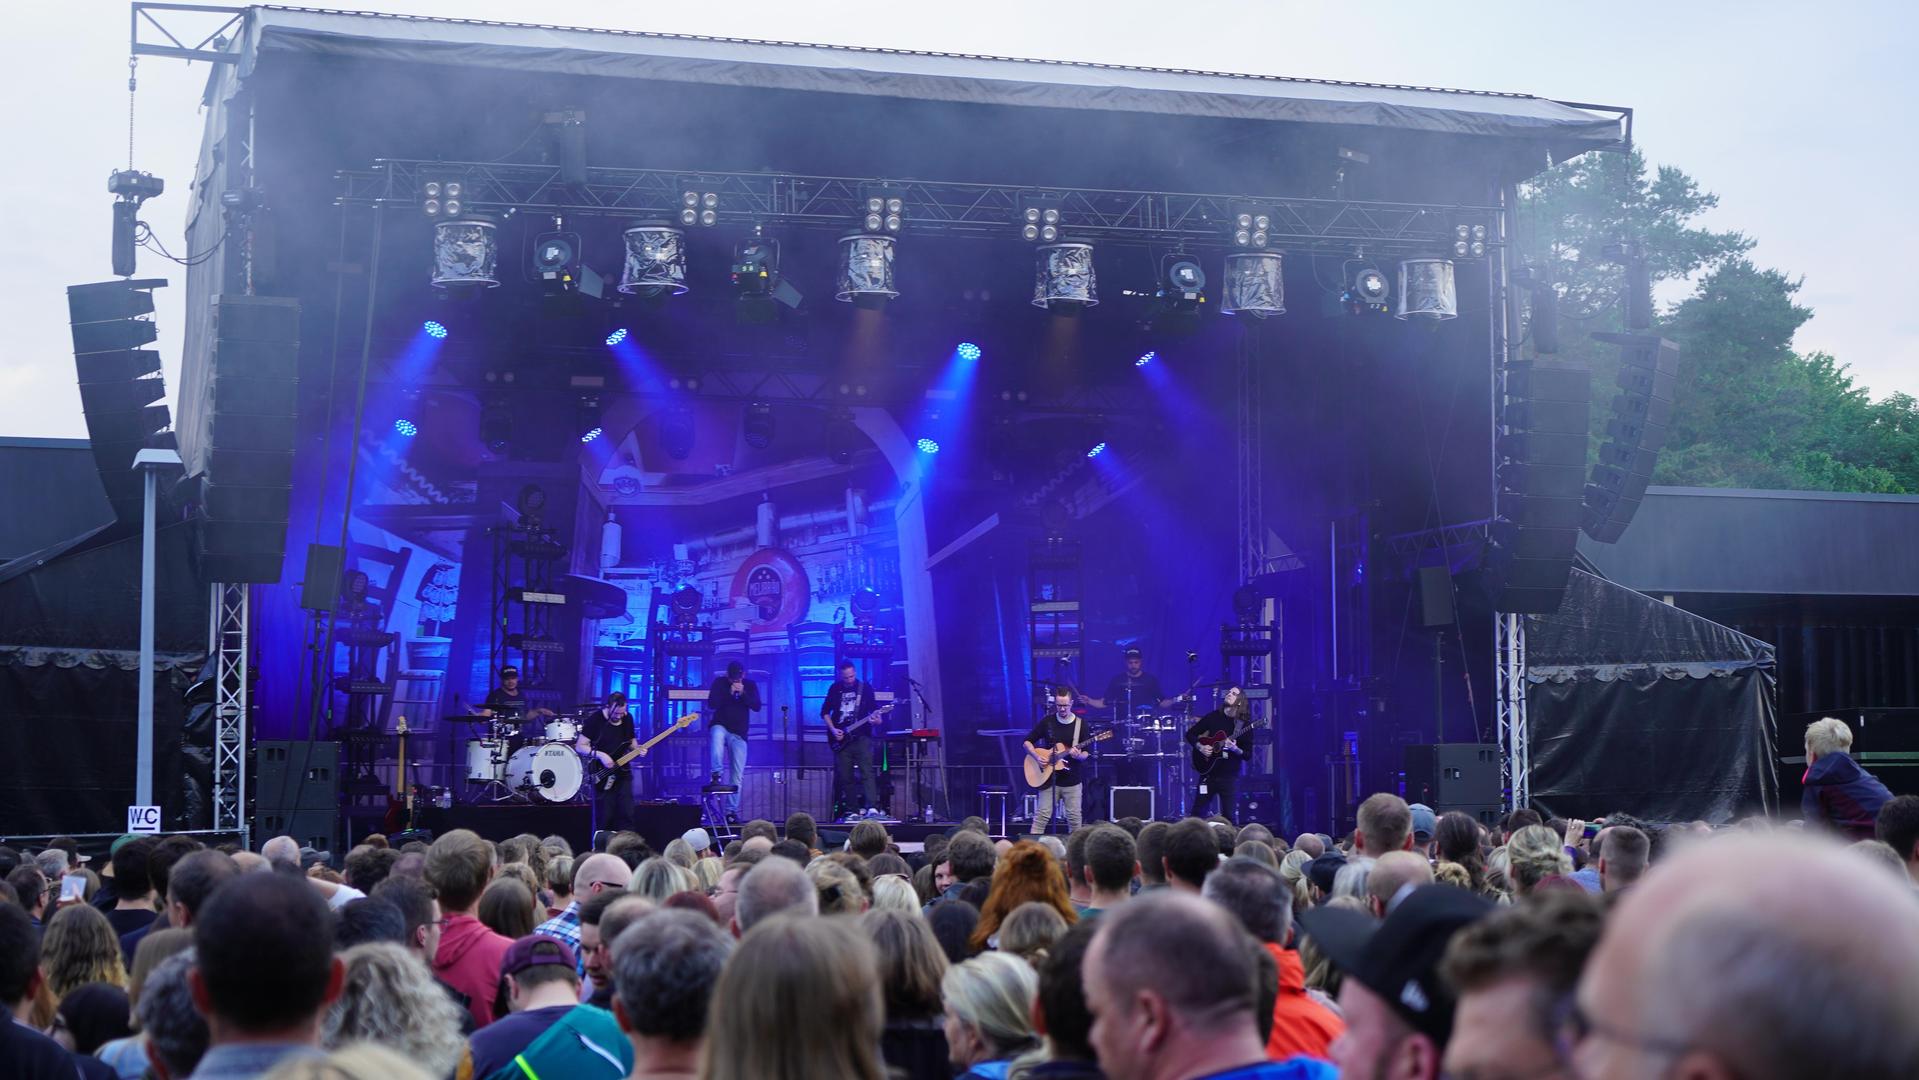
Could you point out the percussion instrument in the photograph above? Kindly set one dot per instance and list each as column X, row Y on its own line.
column 552, row 771
column 484, row 759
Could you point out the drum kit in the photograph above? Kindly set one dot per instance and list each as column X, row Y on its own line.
column 513, row 767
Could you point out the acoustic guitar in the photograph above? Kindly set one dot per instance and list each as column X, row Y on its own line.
column 605, row 777
column 1041, row 769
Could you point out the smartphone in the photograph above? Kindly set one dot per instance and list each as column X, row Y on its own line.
column 1591, row 830
column 72, row 887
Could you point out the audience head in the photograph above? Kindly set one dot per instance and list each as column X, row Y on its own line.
column 759, row 827
column 989, row 1008
column 886, row 863
column 599, row 872
column 1030, row 930
column 538, row 971
column 1028, row 872
column 792, row 851
column 174, row 1031
column 367, row 866
column 868, row 839
column 1385, row 823
column 664, row 970
column 459, row 865
column 953, row 922
column 770, row 888
column 1310, row 844
column 1059, row 1013
column 1256, row 895
column 91, row 1016
column 629, row 847
column 1719, row 964
column 971, row 856
column 389, row 997
column 802, row 827
column 79, row 947
column 1826, row 737
column 726, row 893
column 1425, row 823
column 1898, row 826
column 262, row 969
column 1533, row 854
column 366, row 920
column 1191, row 851
column 193, row 879
column 801, row 998
column 838, row 888
column 681, row 852
column 506, row 908
column 1510, row 973
column 419, row 911
column 1393, row 875
column 1623, row 855
column 1150, row 846
column 29, row 888
column 1111, row 858
column 20, row 974
column 911, row 963
column 1518, row 820
column 659, row 877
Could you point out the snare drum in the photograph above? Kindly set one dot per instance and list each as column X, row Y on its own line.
column 485, row 759
column 562, row 729
column 552, row 770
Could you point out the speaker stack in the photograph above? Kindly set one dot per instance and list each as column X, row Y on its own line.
column 120, row 386
column 248, row 479
column 1542, row 479
column 1641, row 417
column 296, row 791
column 1455, row 776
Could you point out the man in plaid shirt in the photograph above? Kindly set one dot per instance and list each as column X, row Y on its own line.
column 595, row 874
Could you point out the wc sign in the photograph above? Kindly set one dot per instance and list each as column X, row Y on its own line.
column 143, row 819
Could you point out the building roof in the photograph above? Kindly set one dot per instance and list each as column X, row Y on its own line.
column 1780, row 543
column 56, row 478
column 989, row 80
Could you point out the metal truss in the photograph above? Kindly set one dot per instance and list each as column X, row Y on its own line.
column 1514, row 733
column 1407, row 545
column 1249, row 469
column 166, row 19
column 935, row 207
column 229, row 639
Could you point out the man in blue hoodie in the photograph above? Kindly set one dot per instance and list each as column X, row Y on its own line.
column 1838, row 793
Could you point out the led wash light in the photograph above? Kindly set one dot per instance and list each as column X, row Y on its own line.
column 406, row 428
column 968, row 351
column 1097, row 450
column 616, row 336
column 1145, row 358
column 591, row 435
column 928, row 446
column 434, row 329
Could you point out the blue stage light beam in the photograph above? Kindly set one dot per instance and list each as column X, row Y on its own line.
column 434, row 329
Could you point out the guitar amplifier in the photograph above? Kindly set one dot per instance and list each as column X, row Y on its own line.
column 1129, row 802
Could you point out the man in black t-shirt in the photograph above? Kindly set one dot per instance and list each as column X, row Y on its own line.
column 1216, row 764
column 848, row 701
column 1132, row 690
column 508, row 702
column 730, row 704
column 607, row 735
column 1061, row 728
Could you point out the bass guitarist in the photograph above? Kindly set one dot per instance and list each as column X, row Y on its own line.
column 1044, row 744
column 850, row 700
column 1219, row 743
column 608, row 734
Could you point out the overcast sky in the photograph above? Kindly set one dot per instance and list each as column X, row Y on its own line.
column 1796, row 114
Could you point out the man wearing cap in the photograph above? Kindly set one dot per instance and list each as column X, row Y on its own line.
column 508, row 702
column 1397, row 1007
column 549, row 1032
column 699, row 840
column 1131, row 690
column 1425, row 822
column 730, row 703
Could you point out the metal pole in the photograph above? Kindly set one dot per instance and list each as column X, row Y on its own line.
column 143, row 755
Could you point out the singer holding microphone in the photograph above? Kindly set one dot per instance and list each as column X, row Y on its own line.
column 729, row 704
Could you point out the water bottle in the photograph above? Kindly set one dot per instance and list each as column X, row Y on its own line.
column 926, row 815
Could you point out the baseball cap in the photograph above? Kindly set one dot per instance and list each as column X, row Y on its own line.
column 114, row 848
column 697, row 839
column 1424, row 820
column 1132, row 653
column 1323, row 869
column 1398, row 959
column 534, row 950
column 509, row 670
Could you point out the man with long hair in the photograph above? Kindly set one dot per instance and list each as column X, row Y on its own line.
column 1219, row 744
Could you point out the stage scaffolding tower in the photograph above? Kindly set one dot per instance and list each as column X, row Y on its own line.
column 228, row 640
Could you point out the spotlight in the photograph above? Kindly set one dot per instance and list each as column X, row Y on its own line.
column 1039, row 218
column 586, row 417
column 883, row 209
column 591, row 435
column 466, row 252
column 434, row 330
column 1181, row 282
column 699, row 208
column 406, row 428
column 1426, row 290
column 1145, row 358
column 616, row 336
column 866, row 270
column 756, row 266
column 928, row 446
column 1469, row 240
column 1063, row 277
column 1252, row 227
column 967, row 351
column 655, row 261
column 757, row 425
column 441, row 194
column 557, row 265
column 1366, row 292
column 1254, row 285
column 1097, row 450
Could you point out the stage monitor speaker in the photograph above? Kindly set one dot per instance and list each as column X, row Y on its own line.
column 317, row 829
column 320, row 587
column 1546, row 423
column 253, row 406
column 1258, row 802
column 1453, row 776
column 1129, row 802
column 296, row 775
column 1641, row 417
column 120, row 384
column 1435, row 596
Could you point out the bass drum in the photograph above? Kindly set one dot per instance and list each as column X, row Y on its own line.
column 552, row 770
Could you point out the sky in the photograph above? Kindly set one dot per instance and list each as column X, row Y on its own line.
column 1793, row 113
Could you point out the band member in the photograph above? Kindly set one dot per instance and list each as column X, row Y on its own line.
column 729, row 704
column 1058, row 729
column 1132, row 690
column 508, row 702
column 849, row 701
column 608, row 735
column 1216, row 762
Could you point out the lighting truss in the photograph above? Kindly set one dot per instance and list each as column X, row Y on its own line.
column 230, row 639
column 939, row 208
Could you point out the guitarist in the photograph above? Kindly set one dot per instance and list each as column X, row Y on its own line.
column 1058, row 729
column 607, row 734
column 850, row 699
column 1219, row 746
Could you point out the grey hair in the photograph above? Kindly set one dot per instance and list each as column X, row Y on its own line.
column 680, row 853
column 1255, row 893
column 52, row 863
column 174, row 1029
column 664, row 970
column 390, row 998
column 771, row 887
column 1828, row 735
column 993, row 994
column 1351, row 878
column 895, row 893
column 657, row 878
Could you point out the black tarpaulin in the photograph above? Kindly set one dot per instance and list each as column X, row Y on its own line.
column 1637, row 706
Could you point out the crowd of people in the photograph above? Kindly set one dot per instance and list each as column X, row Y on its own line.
column 1418, row 945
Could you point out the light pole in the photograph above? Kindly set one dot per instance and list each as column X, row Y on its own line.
column 149, row 462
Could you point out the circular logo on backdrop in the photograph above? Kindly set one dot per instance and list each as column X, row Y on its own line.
column 774, row 584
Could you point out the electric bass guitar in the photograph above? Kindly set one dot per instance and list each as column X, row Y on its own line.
column 1041, row 769
column 836, row 736
column 606, row 776
column 1204, row 763
column 399, row 805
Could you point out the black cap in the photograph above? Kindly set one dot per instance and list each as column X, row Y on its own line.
column 1399, row 959
column 1323, row 869
column 1132, row 652
column 509, row 670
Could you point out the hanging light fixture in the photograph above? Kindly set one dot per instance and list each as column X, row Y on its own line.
column 866, row 270
column 1253, row 284
column 1063, row 277
column 466, row 252
column 655, row 261
column 1426, row 290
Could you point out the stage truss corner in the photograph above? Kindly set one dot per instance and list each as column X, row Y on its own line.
column 229, row 641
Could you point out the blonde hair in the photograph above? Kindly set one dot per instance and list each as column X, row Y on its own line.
column 80, row 947
column 895, row 893
column 1534, row 854
column 391, row 998
column 708, row 871
column 839, row 888
column 1292, row 869
column 657, row 879
column 1030, row 930
column 993, row 993
column 360, row 1061
column 680, row 853
column 800, row 999
column 1451, row 873
column 1828, row 736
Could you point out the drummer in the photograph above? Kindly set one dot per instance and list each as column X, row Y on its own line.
column 1132, row 691
column 508, row 703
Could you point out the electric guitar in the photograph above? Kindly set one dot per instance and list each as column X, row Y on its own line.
column 836, row 736
column 606, row 776
column 1041, row 769
column 1204, row 763
column 399, row 805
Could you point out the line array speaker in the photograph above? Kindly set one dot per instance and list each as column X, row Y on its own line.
column 120, row 385
column 246, row 488
column 1641, row 417
column 1546, row 427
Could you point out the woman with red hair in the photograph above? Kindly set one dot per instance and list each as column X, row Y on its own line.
column 1027, row 873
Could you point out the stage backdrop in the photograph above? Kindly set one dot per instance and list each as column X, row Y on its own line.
column 1640, row 707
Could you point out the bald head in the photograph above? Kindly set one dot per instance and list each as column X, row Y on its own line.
column 603, row 870
column 281, row 849
column 757, row 843
column 771, row 887
column 1720, row 953
column 1310, row 844
column 1393, row 873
